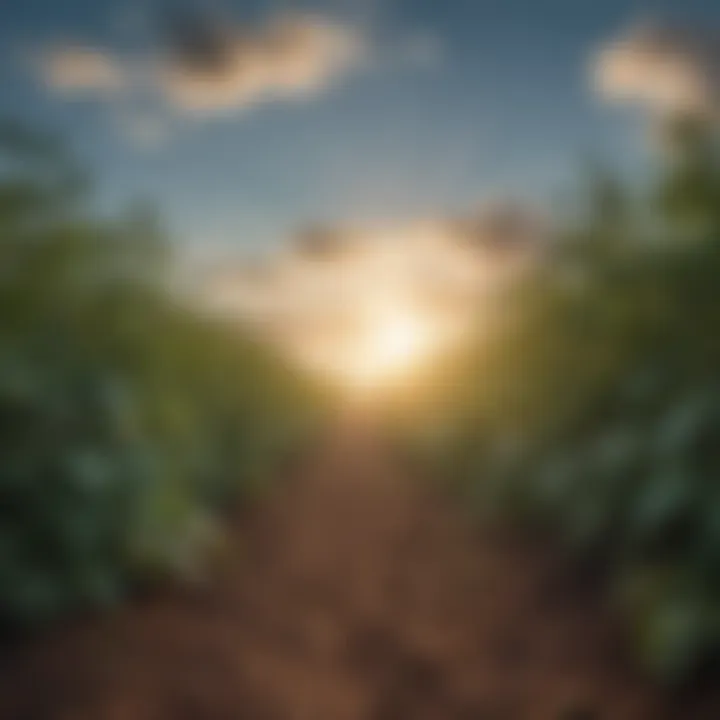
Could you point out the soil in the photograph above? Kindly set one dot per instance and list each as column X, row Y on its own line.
column 351, row 592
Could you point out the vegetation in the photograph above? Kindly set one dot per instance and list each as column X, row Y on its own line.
column 128, row 420
column 590, row 407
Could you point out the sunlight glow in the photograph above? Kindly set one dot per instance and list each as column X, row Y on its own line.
column 394, row 343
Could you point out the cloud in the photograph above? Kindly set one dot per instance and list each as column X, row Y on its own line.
column 322, row 243
column 666, row 69
column 205, row 64
column 503, row 227
column 209, row 67
column 196, row 63
column 316, row 293
column 78, row 69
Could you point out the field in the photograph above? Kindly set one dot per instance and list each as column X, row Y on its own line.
column 457, row 468
column 352, row 592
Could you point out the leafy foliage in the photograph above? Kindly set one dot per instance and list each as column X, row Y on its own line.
column 591, row 407
column 128, row 420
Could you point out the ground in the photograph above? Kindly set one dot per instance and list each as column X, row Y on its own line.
column 353, row 591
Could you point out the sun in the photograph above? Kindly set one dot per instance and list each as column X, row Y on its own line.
column 393, row 343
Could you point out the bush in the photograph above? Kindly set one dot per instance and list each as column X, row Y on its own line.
column 128, row 420
column 592, row 408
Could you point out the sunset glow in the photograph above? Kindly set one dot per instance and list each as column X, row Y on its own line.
column 392, row 346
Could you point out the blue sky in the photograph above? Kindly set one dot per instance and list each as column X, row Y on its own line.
column 503, row 108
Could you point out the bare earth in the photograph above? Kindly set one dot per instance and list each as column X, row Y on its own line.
column 351, row 593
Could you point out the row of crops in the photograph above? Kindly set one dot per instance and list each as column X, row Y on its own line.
column 588, row 408
column 129, row 421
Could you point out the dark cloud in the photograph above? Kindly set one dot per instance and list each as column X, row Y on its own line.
column 501, row 227
column 199, row 41
column 210, row 64
column 322, row 243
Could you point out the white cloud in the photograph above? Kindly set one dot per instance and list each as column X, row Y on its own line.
column 668, row 70
column 75, row 69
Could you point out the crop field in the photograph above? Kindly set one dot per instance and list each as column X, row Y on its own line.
column 333, row 386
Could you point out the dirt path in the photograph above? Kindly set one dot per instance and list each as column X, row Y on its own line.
column 353, row 593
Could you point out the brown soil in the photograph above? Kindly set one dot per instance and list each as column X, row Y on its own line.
column 353, row 592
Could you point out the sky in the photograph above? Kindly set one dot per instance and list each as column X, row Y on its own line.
column 356, row 178
column 445, row 104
